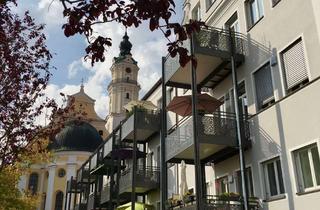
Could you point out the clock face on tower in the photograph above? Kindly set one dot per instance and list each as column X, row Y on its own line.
column 128, row 70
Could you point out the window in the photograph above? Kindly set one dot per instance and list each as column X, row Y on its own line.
column 294, row 66
column 273, row 177
column 248, row 176
column 127, row 96
column 275, row 2
column 208, row 188
column 255, row 11
column 159, row 103
column 61, row 172
column 264, row 87
column 229, row 99
column 307, row 164
column 233, row 23
column 222, row 185
column 209, row 3
column 170, row 95
column 33, row 183
column 150, row 160
column 59, row 201
column 196, row 13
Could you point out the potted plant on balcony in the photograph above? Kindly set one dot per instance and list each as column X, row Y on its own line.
column 188, row 197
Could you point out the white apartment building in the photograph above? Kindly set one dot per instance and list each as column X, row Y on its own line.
column 279, row 79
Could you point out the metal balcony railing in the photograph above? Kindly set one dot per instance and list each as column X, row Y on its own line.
column 212, row 202
column 147, row 178
column 209, row 41
column 218, row 128
column 148, row 121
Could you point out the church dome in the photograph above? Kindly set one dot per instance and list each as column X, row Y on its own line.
column 77, row 136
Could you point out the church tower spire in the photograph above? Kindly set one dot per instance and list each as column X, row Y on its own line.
column 123, row 87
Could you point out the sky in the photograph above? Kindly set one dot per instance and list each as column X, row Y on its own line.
column 68, row 53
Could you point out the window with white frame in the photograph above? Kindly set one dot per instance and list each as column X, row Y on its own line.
column 273, row 178
column 209, row 3
column 222, row 185
column 196, row 12
column 249, row 181
column 255, row 11
column 233, row 23
column 307, row 165
column 275, row 2
column 208, row 188
column 294, row 66
column 263, row 86
column 229, row 99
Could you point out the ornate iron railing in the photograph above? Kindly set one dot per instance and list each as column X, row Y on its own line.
column 209, row 41
column 146, row 176
column 146, row 119
column 218, row 124
column 212, row 202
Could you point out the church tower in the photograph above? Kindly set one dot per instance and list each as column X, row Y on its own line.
column 123, row 87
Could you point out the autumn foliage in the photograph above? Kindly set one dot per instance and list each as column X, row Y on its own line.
column 83, row 14
column 24, row 75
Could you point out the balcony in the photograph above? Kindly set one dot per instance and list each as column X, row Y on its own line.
column 146, row 179
column 216, row 132
column 93, row 201
column 83, row 175
column 72, row 186
column 81, row 206
column 148, row 122
column 215, row 203
column 212, row 50
column 105, row 194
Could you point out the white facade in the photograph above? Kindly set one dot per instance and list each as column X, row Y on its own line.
column 290, row 121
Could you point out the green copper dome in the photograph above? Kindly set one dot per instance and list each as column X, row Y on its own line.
column 125, row 49
column 77, row 136
column 125, row 46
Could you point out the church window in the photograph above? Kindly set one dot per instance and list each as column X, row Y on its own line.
column 128, row 70
column 61, row 172
column 127, row 95
column 59, row 201
column 33, row 183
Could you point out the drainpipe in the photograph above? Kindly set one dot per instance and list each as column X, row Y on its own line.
column 239, row 121
column 163, row 131
column 197, row 162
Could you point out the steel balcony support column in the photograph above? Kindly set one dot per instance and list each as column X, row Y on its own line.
column 112, row 175
column 197, row 162
column 66, row 199
column 76, row 193
column 163, row 131
column 239, row 120
column 134, row 159
column 88, row 184
column 118, row 167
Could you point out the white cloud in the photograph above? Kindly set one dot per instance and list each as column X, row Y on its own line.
column 51, row 12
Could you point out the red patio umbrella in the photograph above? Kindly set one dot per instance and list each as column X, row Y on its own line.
column 182, row 105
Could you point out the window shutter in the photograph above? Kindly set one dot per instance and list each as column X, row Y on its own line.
column 263, row 85
column 294, row 64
